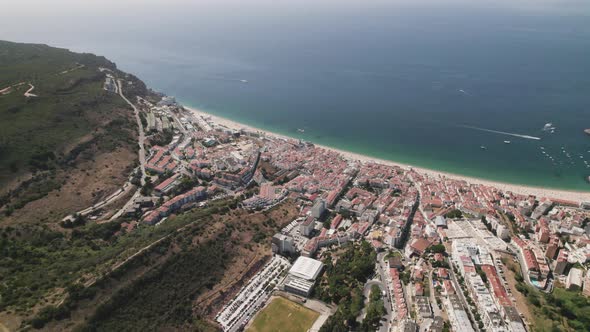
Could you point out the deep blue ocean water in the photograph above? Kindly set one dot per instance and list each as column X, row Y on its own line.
column 402, row 82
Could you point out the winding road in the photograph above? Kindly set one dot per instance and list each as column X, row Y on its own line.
column 28, row 93
column 110, row 199
column 383, row 285
column 141, row 134
column 127, row 186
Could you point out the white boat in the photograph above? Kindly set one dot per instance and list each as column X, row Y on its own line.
column 244, row 81
column 506, row 142
column 300, row 130
column 482, row 147
column 549, row 127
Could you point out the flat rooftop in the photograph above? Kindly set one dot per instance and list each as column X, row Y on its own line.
column 306, row 268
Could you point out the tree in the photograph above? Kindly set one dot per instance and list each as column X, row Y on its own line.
column 481, row 273
column 375, row 310
column 437, row 249
column 455, row 213
column 342, row 284
column 13, row 167
column 440, row 264
column 147, row 189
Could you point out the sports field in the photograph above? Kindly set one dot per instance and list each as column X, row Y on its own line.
column 282, row 315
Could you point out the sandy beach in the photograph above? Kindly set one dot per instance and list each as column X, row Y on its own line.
column 515, row 188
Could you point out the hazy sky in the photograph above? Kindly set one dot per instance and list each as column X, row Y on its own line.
column 81, row 25
column 18, row 11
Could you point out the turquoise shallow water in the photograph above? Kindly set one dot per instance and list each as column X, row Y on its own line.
column 395, row 81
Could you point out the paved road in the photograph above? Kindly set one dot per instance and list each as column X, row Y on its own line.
column 127, row 186
column 127, row 205
column 324, row 310
column 459, row 291
column 383, row 274
column 367, row 291
column 141, row 134
column 110, row 199
column 433, row 302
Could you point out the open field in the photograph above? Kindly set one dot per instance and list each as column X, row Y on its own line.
column 282, row 315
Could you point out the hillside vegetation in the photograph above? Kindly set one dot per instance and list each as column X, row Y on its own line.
column 69, row 120
column 342, row 285
column 192, row 263
column 70, row 146
column 65, row 144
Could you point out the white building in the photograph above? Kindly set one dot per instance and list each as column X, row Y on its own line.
column 167, row 101
column 307, row 226
column 282, row 244
column 302, row 276
column 306, row 268
column 440, row 221
column 503, row 232
column 318, row 208
column 574, row 279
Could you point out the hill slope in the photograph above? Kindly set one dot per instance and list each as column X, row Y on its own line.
column 66, row 143
column 63, row 135
column 64, row 149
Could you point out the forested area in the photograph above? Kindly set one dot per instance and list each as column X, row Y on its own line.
column 342, row 284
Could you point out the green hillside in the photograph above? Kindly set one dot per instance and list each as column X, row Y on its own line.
column 70, row 112
column 64, row 145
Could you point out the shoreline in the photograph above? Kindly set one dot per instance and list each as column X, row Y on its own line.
column 539, row 192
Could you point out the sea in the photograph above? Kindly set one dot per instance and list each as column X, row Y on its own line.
column 498, row 90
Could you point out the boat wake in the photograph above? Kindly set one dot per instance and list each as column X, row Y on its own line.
column 228, row 79
column 502, row 132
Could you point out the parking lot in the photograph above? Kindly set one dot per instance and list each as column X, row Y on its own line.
column 252, row 296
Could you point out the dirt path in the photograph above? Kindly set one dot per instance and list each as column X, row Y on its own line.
column 28, row 93
column 71, row 69
column 3, row 328
column 7, row 89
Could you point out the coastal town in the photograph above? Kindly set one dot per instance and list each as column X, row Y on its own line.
column 450, row 255
column 445, row 254
column 295, row 166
